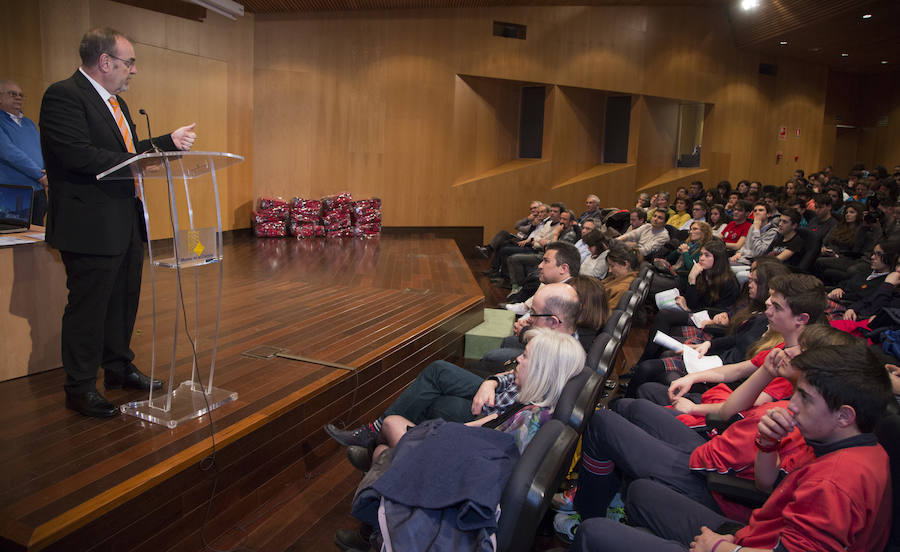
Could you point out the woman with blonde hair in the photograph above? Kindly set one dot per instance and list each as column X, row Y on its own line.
column 550, row 359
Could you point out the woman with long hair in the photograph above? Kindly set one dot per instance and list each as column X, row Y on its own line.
column 595, row 264
column 623, row 265
column 710, row 285
column 549, row 361
column 680, row 261
column 718, row 219
column 594, row 307
column 846, row 244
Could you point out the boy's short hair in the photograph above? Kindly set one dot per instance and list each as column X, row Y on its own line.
column 848, row 375
column 804, row 294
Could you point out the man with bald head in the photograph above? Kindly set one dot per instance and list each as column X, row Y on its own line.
column 97, row 226
column 21, row 162
column 444, row 390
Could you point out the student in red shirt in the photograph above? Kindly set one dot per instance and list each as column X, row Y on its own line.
column 735, row 233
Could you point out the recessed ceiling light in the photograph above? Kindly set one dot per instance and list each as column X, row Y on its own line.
column 867, row 16
column 748, row 5
column 816, row 49
column 884, row 62
column 844, row 54
column 783, row 42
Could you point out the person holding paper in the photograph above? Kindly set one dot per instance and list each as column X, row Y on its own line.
column 795, row 302
column 745, row 325
column 710, row 285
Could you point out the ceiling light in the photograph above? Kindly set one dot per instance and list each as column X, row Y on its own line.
column 748, row 5
column 783, row 42
column 845, row 54
column 867, row 16
column 884, row 62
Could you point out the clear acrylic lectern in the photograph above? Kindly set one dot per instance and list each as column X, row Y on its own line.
column 193, row 247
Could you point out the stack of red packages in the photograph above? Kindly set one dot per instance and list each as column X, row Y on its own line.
column 336, row 215
column 306, row 221
column 269, row 221
column 367, row 217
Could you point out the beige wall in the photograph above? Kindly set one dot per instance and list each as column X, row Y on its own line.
column 391, row 104
column 187, row 72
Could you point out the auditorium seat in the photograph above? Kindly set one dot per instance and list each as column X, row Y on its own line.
column 537, row 475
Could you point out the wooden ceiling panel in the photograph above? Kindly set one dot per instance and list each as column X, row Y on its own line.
column 816, row 31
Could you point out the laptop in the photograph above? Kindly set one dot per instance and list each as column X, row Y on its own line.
column 15, row 208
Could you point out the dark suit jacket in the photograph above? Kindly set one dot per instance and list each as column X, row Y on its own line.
column 80, row 139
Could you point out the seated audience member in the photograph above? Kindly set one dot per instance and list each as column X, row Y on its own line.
column 444, row 390
column 712, row 197
column 541, row 227
column 823, row 223
column 724, row 189
column 623, row 265
column 521, row 264
column 699, row 210
column 710, row 285
column 594, row 308
column 680, row 261
column 718, row 219
column 745, row 327
column 681, row 213
column 733, row 198
column 559, row 262
column 735, row 232
column 799, row 204
column 788, row 246
column 643, row 201
column 549, row 360
column 523, row 228
column 586, row 227
column 840, row 500
column 846, row 244
column 759, row 237
column 637, row 217
column 598, row 248
column 860, row 284
column 886, row 295
column 592, row 209
column 647, row 237
column 695, row 190
column 660, row 200
column 743, row 187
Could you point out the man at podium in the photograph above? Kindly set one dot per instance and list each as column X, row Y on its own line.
column 97, row 225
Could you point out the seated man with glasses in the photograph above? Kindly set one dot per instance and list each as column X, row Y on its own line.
column 444, row 390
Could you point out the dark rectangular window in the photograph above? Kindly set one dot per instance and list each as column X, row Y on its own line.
column 509, row 30
column 531, row 123
column 615, row 133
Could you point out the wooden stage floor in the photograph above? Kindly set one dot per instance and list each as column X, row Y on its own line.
column 386, row 307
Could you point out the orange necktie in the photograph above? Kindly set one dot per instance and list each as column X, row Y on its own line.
column 123, row 126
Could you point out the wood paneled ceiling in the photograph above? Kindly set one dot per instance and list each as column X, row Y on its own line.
column 817, row 31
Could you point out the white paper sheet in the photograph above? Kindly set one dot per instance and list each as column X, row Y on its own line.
column 665, row 300
column 693, row 362
column 698, row 318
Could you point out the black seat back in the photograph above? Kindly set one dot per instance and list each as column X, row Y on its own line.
column 537, row 475
column 578, row 398
column 813, row 244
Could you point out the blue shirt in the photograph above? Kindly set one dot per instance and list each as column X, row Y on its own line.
column 21, row 161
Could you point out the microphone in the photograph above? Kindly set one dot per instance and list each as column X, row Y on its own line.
column 152, row 143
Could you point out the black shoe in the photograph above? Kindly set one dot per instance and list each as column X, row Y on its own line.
column 483, row 251
column 91, row 404
column 133, row 379
column 348, row 539
column 360, row 437
column 360, row 458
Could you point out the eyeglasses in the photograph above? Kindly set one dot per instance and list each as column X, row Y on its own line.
column 128, row 62
column 14, row 94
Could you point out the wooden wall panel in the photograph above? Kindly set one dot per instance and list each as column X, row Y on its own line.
column 376, row 104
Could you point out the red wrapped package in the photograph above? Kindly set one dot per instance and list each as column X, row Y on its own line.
column 310, row 204
column 367, row 230
column 273, row 229
column 334, row 201
column 305, row 215
column 270, row 202
column 269, row 215
column 372, row 217
column 307, row 230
